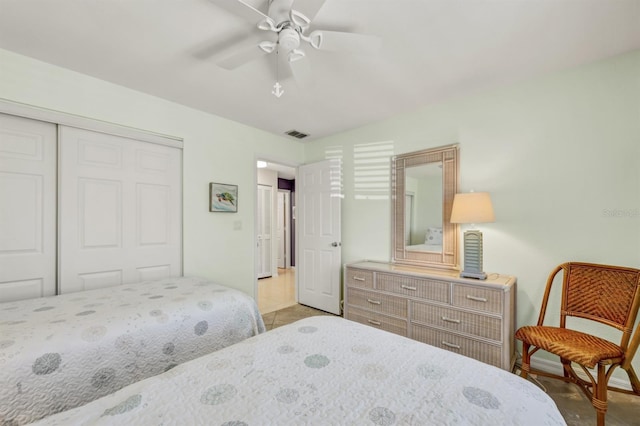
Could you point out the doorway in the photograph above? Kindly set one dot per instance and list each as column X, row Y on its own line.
column 275, row 236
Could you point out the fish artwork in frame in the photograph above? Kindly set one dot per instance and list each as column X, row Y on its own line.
column 223, row 197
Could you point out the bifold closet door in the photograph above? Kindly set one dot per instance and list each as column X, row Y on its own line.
column 27, row 208
column 120, row 210
column 263, row 210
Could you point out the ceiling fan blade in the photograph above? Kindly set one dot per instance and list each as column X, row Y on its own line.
column 308, row 8
column 345, row 42
column 241, row 56
column 222, row 47
column 242, row 9
column 301, row 71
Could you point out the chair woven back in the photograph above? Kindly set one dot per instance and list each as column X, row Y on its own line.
column 603, row 293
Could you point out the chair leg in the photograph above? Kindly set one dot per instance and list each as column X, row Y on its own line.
column 526, row 360
column 566, row 368
column 599, row 399
column 635, row 383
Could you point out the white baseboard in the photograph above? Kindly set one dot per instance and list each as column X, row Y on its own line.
column 555, row 367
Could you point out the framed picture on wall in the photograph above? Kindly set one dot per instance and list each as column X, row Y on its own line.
column 223, row 197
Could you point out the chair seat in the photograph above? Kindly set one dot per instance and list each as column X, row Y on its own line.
column 572, row 345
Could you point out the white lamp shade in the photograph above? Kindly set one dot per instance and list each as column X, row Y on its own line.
column 472, row 207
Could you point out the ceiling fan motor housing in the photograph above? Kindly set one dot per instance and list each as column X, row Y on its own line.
column 289, row 39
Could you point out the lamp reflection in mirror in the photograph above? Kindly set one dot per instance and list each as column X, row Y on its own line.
column 472, row 208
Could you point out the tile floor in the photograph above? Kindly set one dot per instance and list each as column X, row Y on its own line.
column 624, row 410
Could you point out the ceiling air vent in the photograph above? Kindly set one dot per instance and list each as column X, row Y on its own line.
column 296, row 134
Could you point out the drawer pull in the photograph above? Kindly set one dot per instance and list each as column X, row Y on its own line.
column 375, row 302
column 457, row 321
column 450, row 345
column 408, row 287
column 477, row 299
column 358, row 279
column 374, row 322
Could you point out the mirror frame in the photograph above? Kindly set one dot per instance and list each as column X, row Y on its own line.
column 448, row 259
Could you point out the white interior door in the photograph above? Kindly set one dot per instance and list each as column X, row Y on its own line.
column 27, row 208
column 120, row 210
column 265, row 207
column 280, row 230
column 319, row 253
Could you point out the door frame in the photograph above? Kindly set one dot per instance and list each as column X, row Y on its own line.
column 287, row 226
column 270, row 159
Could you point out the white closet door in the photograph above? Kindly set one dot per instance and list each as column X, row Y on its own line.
column 27, row 208
column 120, row 210
column 263, row 256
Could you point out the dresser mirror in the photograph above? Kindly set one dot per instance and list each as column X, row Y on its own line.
column 423, row 185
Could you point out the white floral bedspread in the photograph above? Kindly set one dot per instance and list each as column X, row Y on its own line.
column 325, row 371
column 63, row 351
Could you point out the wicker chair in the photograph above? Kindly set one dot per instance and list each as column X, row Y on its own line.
column 607, row 294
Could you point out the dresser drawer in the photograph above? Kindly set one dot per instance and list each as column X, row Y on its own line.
column 359, row 278
column 381, row 303
column 393, row 325
column 481, row 351
column 416, row 287
column 480, row 325
column 479, row 298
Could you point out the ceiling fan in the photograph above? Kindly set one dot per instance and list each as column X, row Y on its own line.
column 287, row 28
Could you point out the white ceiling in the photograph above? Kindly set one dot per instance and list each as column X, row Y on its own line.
column 431, row 50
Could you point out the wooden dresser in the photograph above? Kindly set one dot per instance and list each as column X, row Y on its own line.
column 467, row 316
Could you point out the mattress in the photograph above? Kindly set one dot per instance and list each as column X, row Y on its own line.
column 60, row 352
column 329, row 371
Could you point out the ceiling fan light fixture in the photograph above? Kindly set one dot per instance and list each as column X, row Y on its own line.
column 289, row 39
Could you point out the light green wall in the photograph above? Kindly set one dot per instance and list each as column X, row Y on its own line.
column 215, row 150
column 558, row 154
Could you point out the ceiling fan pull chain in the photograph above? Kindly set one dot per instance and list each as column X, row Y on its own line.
column 277, row 88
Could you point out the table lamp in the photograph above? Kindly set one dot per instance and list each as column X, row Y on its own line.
column 472, row 207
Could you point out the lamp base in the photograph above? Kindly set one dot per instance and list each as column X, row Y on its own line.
column 473, row 255
column 476, row 275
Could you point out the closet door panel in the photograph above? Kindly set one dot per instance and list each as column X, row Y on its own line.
column 120, row 210
column 27, row 213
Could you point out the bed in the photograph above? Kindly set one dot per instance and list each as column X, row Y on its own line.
column 60, row 352
column 324, row 370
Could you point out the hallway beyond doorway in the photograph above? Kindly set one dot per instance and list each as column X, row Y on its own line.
column 277, row 293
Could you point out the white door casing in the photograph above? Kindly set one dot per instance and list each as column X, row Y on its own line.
column 263, row 231
column 319, row 233
column 27, row 208
column 120, row 210
column 287, row 228
column 282, row 230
